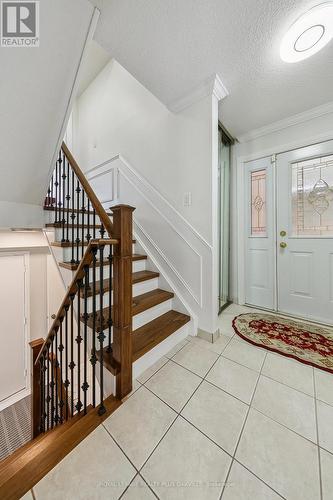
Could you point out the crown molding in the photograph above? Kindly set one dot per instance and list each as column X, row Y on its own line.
column 303, row 117
column 212, row 86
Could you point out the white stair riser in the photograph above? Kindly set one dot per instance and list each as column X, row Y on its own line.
column 142, row 318
column 151, row 313
column 138, row 289
column 137, row 265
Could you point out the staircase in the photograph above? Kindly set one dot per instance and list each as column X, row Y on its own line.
column 112, row 315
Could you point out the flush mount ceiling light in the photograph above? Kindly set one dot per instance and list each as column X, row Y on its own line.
column 309, row 34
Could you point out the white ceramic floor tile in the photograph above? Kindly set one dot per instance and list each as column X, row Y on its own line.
column 95, row 469
column 178, row 347
column 287, row 406
column 196, row 359
column 234, row 378
column 218, row 346
column 217, row 414
column 282, row 459
column 242, row 485
column 27, row 496
column 289, row 372
column 174, row 384
column 138, row 490
column 245, row 354
column 324, row 386
column 186, row 465
column 326, row 460
column 152, row 369
column 139, row 424
column 325, row 425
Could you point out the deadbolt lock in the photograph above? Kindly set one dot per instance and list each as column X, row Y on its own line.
column 283, row 244
column 283, row 233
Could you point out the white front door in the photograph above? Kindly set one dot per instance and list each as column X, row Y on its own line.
column 260, row 234
column 305, row 232
column 13, row 374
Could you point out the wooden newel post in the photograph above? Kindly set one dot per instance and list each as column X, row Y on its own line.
column 122, row 297
column 36, row 346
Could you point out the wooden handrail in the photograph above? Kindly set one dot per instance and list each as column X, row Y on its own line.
column 72, row 289
column 89, row 191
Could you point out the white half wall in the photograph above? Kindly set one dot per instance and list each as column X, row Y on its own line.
column 166, row 157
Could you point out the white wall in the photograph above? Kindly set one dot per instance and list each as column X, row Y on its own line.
column 174, row 153
column 307, row 132
column 117, row 114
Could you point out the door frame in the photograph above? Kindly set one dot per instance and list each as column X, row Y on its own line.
column 240, row 198
column 27, row 390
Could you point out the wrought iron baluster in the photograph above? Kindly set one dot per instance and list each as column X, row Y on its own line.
column 83, row 221
column 101, row 335
column 48, row 397
column 63, row 194
column 60, row 349
column 73, row 218
column 52, row 382
column 93, row 358
column 85, row 385
column 110, row 301
column 59, row 189
column 56, row 184
column 55, row 370
column 66, row 359
column 88, row 236
column 71, row 365
column 77, row 241
column 102, row 231
column 68, row 197
column 41, row 395
column 94, row 224
column 78, row 340
column 52, row 187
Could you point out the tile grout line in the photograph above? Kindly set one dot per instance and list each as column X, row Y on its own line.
column 242, row 429
column 317, row 431
column 130, row 461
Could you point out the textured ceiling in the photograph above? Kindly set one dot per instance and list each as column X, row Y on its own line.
column 171, row 46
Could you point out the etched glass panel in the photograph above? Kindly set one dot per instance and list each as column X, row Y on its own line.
column 258, row 203
column 312, row 197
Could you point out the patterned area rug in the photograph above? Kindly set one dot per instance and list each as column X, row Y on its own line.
column 15, row 427
column 309, row 344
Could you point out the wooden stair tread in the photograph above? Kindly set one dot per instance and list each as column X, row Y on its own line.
column 58, row 225
column 70, row 210
column 26, row 467
column 153, row 333
column 73, row 266
column 148, row 336
column 67, row 244
column 137, row 277
column 140, row 303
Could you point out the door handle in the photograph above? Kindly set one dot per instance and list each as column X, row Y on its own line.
column 283, row 244
column 53, row 316
column 283, row 234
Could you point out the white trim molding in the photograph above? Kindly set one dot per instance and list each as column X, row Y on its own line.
column 212, row 86
column 305, row 116
column 181, row 254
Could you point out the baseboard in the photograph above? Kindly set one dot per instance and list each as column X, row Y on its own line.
column 210, row 337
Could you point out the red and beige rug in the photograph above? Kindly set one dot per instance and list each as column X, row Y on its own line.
column 308, row 343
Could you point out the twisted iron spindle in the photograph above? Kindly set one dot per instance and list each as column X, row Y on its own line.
column 71, row 365
column 78, row 340
column 93, row 358
column 101, row 335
